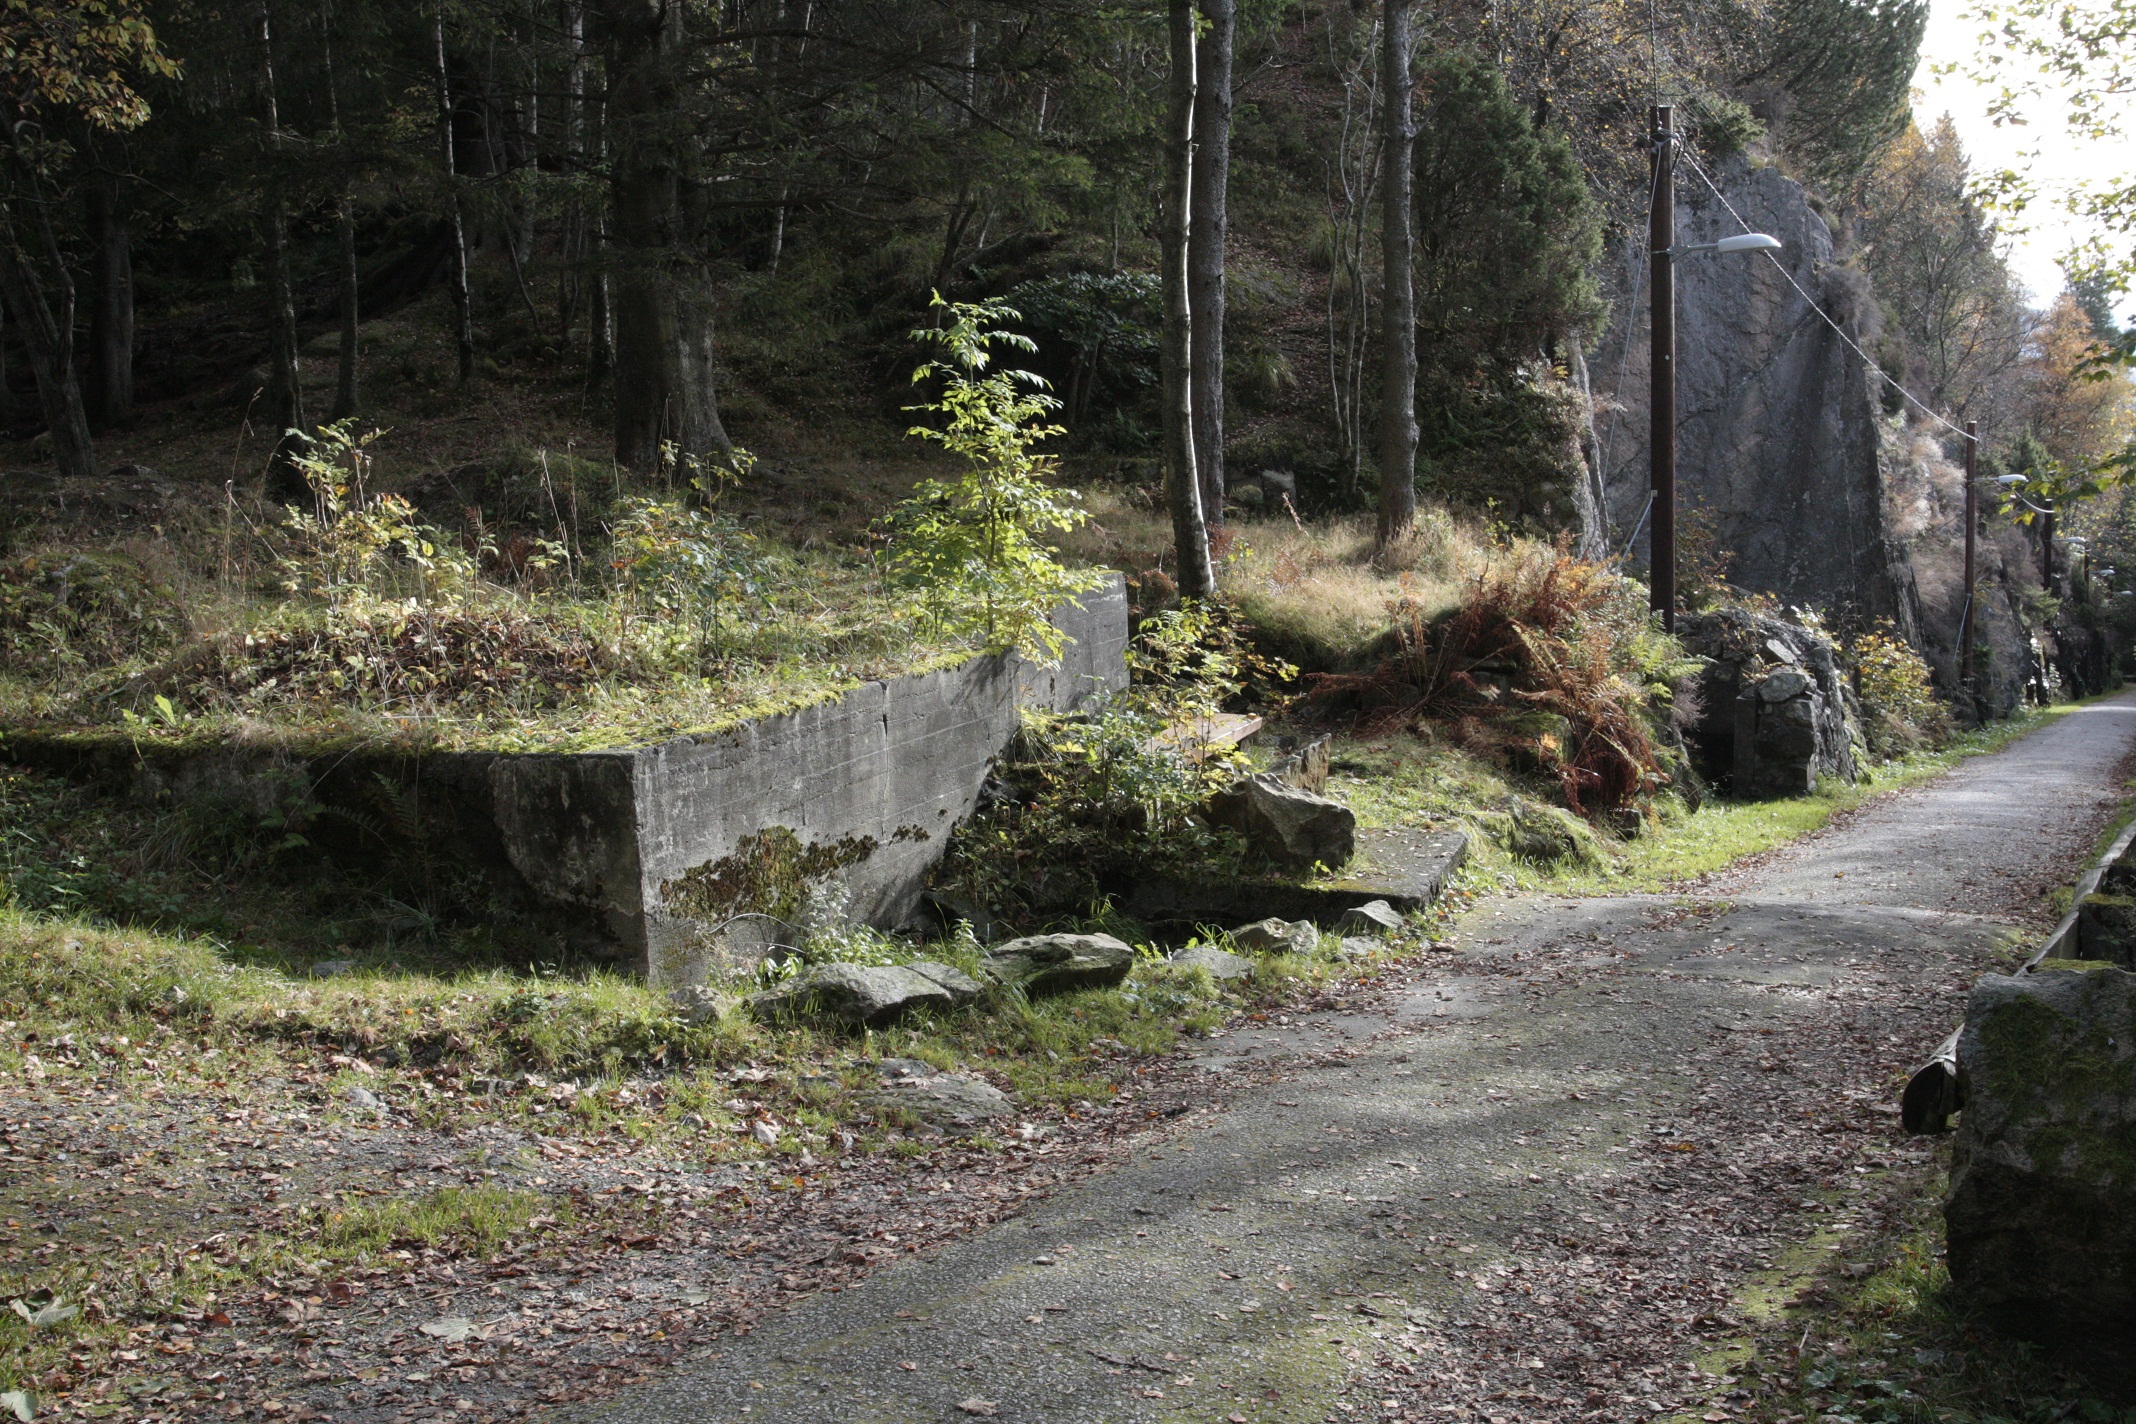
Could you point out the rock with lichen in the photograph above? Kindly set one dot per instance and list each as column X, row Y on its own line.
column 2041, row 1214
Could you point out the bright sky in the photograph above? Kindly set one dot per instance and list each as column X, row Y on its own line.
column 2060, row 162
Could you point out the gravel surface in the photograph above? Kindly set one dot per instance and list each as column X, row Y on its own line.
column 1530, row 1179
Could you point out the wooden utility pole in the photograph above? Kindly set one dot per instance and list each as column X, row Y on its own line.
column 1661, row 237
column 1972, row 518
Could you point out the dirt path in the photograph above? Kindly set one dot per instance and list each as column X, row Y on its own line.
column 1527, row 1183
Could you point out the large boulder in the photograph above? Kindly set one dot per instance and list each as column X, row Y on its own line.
column 863, row 995
column 1548, row 835
column 1289, row 827
column 1775, row 711
column 2106, row 928
column 2041, row 1214
column 1057, row 963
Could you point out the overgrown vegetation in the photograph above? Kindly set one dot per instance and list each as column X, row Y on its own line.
column 1087, row 805
column 1900, row 710
column 1550, row 662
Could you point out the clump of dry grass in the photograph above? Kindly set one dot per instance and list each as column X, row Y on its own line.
column 1547, row 659
column 1316, row 592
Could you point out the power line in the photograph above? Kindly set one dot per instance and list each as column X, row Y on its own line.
column 1624, row 357
column 1781, row 268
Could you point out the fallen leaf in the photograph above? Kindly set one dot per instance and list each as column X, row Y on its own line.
column 50, row 1312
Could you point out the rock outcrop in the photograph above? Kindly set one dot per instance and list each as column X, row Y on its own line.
column 2042, row 1207
column 1794, row 456
column 1775, row 713
column 1777, row 438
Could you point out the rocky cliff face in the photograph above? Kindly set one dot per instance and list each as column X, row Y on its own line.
column 1822, row 497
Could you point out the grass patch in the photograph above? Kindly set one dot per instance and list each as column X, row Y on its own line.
column 1895, row 1345
column 453, row 1220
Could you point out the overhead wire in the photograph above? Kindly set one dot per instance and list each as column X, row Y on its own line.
column 1926, row 409
column 1624, row 357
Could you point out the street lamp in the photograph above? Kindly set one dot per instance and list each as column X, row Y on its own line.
column 1661, row 243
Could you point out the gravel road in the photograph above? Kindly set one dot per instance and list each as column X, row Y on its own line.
column 1533, row 1178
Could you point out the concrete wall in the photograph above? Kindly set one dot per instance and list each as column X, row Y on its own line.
column 874, row 781
column 639, row 854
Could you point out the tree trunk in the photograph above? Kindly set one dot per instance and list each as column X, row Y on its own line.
column 1206, row 247
column 346, row 376
column 1398, row 369
column 111, row 322
column 48, row 340
column 1190, row 533
column 463, row 314
column 285, row 390
column 570, row 161
column 663, row 306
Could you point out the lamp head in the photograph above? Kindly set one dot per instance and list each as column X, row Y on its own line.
column 1748, row 242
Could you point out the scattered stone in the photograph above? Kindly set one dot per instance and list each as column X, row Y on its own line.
column 958, row 1101
column 1278, row 937
column 1549, row 835
column 1056, row 963
column 864, row 995
column 962, row 988
column 1221, row 963
column 699, row 1005
column 1356, row 948
column 1291, row 828
column 2041, row 1214
column 1373, row 917
column 331, row 968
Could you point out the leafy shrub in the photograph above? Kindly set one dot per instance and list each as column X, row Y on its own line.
column 1081, row 804
column 690, row 568
column 64, row 609
column 1899, row 705
column 351, row 546
column 970, row 547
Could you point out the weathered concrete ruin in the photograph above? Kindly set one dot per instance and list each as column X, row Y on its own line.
column 672, row 858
